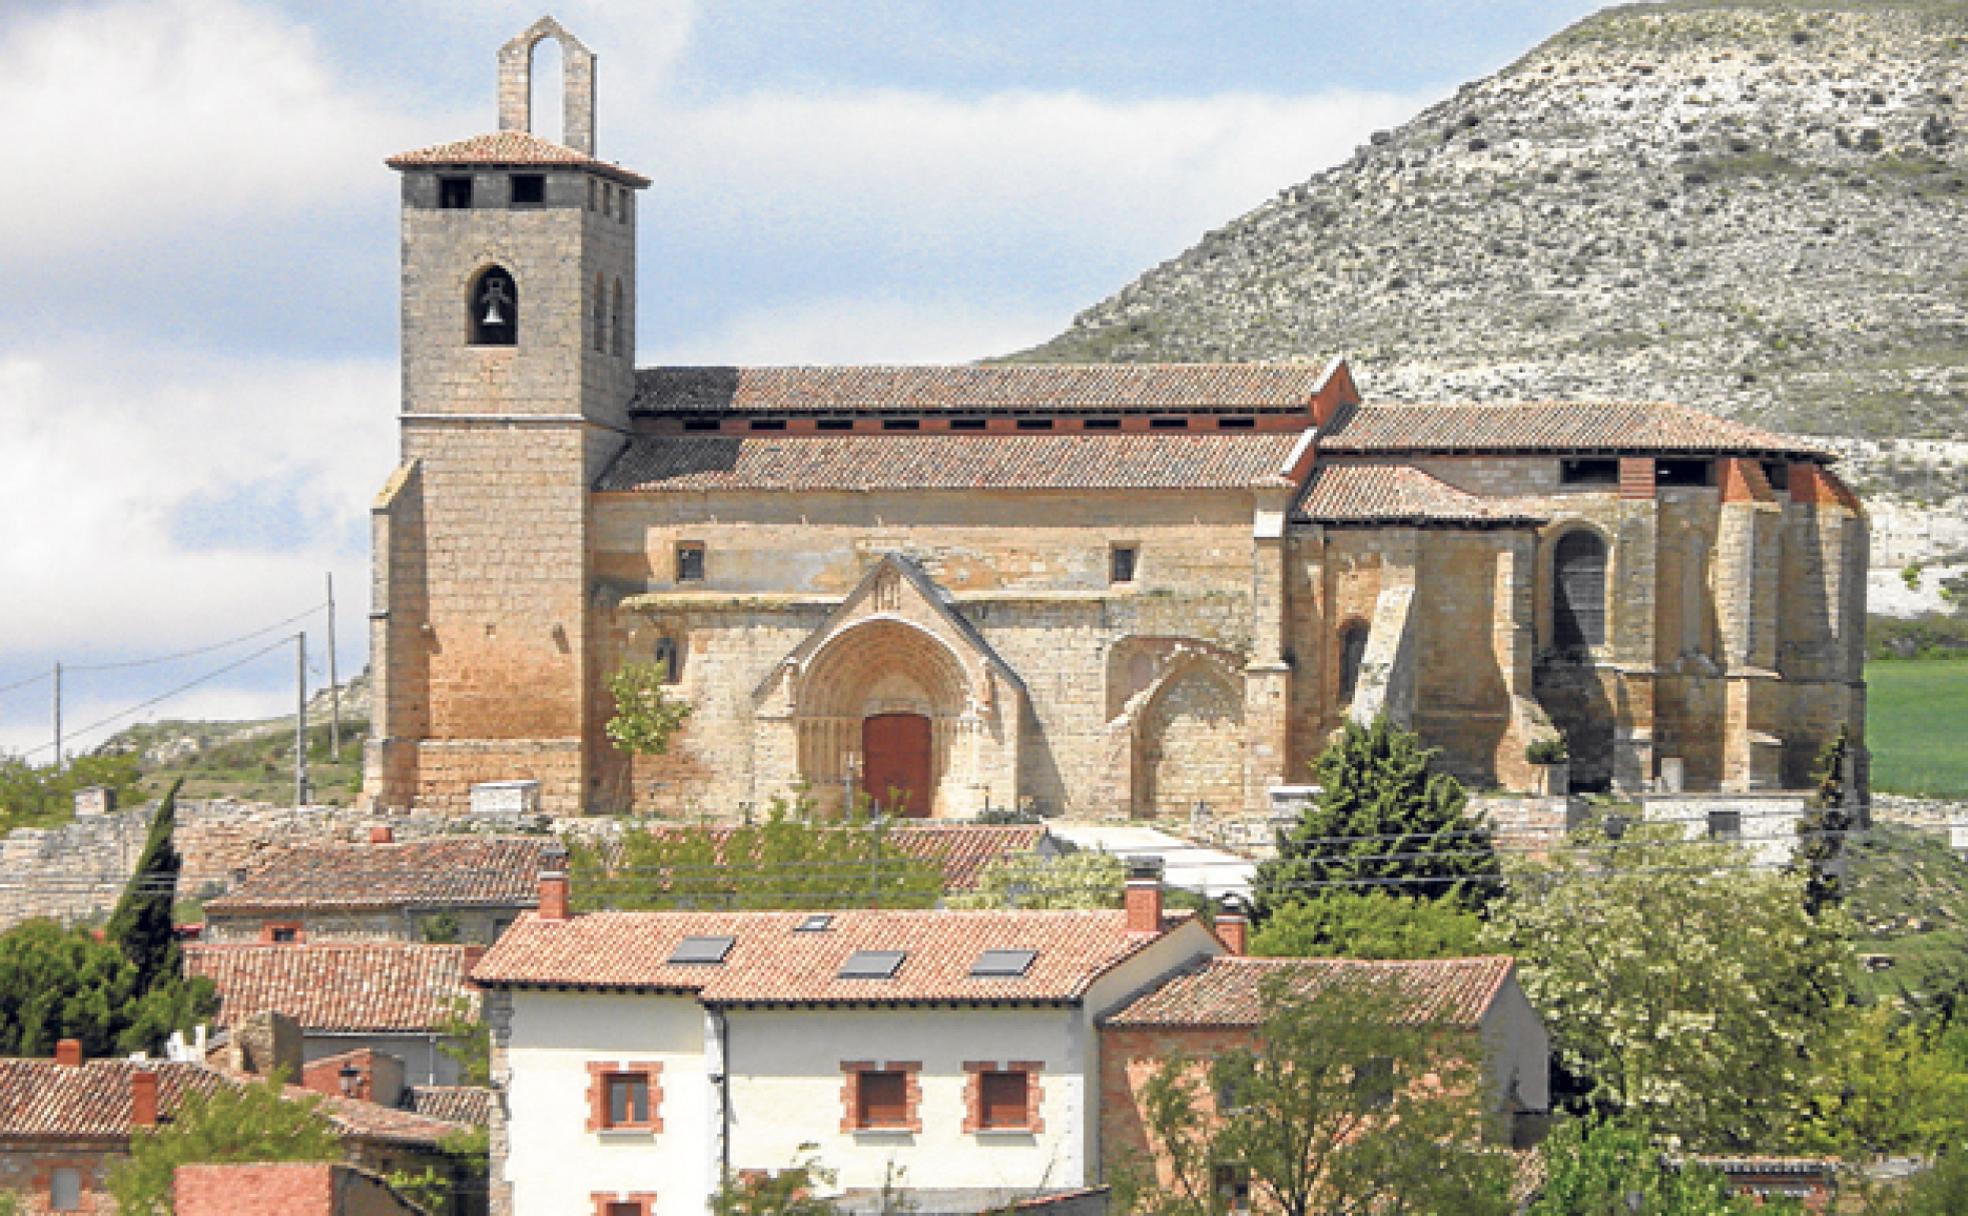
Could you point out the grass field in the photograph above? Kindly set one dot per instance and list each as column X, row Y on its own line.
column 1917, row 726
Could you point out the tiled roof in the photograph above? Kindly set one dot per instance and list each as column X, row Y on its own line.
column 1044, row 387
column 1394, row 493
column 962, row 850
column 1227, row 992
column 338, row 986
column 467, row 1104
column 1549, row 426
column 516, row 148
column 772, row 962
column 444, row 871
column 41, row 1099
column 942, row 461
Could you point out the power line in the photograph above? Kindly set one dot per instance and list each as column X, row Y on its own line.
column 165, row 696
column 196, row 651
column 7, row 688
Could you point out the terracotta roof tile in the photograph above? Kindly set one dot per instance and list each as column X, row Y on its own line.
column 963, row 850
column 904, row 461
column 771, row 961
column 338, row 986
column 1044, row 387
column 1227, row 992
column 470, row 1105
column 1549, row 426
column 359, row 1120
column 444, row 871
column 516, row 148
column 1395, row 494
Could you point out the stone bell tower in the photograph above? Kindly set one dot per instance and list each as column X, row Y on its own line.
column 518, row 313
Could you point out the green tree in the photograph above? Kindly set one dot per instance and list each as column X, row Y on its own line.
column 1941, row 1190
column 1681, row 986
column 1084, row 879
column 1347, row 1104
column 1369, row 924
column 443, row 1191
column 1616, row 1169
column 793, row 859
column 787, row 1192
column 60, row 983
column 32, row 796
column 1820, row 855
column 467, row 1040
column 646, row 714
column 231, row 1123
column 1883, row 1087
column 1383, row 821
column 142, row 925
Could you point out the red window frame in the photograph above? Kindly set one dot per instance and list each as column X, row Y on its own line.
column 980, row 1118
column 854, row 1113
column 602, row 1077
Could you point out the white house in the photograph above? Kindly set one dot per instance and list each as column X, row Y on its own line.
column 954, row 1055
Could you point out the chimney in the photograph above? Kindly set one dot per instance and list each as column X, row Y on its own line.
column 1144, row 895
column 382, row 835
column 143, row 1098
column 553, row 885
column 1233, row 930
column 69, row 1052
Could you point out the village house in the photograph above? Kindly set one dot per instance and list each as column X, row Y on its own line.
column 1219, row 1006
column 390, row 999
column 643, row 1056
column 1090, row 589
column 284, row 1188
column 66, row 1122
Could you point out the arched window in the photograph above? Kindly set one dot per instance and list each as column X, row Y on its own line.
column 1352, row 652
column 598, row 316
column 615, row 320
column 1578, row 591
column 494, row 308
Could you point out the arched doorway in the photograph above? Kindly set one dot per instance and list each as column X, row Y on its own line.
column 896, row 752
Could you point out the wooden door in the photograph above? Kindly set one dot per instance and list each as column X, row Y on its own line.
column 895, row 768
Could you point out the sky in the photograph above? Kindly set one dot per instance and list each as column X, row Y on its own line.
column 198, row 342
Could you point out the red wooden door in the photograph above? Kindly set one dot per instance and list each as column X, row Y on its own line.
column 895, row 771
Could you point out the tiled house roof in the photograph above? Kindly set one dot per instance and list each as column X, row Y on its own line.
column 1228, row 992
column 771, row 961
column 1362, row 494
column 1046, row 388
column 963, row 851
column 339, row 986
column 41, row 1099
column 444, row 871
column 1550, row 426
column 944, row 461
column 467, row 1104
column 515, row 149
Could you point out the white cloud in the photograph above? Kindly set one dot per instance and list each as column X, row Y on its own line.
column 872, row 328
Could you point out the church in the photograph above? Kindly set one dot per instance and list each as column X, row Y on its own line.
column 1095, row 590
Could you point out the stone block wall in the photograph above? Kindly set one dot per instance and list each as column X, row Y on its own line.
column 28, row 1174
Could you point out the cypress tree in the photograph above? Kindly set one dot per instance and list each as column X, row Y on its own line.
column 142, row 925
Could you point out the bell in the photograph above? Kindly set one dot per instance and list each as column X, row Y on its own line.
column 492, row 314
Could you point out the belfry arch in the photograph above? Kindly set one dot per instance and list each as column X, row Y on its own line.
column 577, row 75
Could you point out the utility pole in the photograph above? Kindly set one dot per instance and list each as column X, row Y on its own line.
column 300, row 720
column 334, row 685
column 58, row 730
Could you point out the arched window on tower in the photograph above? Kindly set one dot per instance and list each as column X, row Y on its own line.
column 1578, row 591
column 615, row 320
column 598, row 316
column 1352, row 652
column 493, row 308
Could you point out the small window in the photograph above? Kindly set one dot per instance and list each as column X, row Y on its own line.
column 615, row 321
column 1725, row 825
column 625, row 1207
column 871, row 965
column 598, row 316
column 594, row 189
column 1003, row 964
column 901, row 424
column 65, row 1190
column 1101, row 424
column 701, row 951
column 1589, row 472
column 1169, row 424
column 1373, row 1082
column 1035, row 424
column 454, row 193
column 1001, row 1101
column 966, row 424
column 882, row 1100
column 1578, row 591
column 1777, row 473
column 768, row 424
column 494, row 306
column 1352, row 653
column 690, row 563
column 1684, row 473
column 607, row 199
column 628, row 1099
column 1121, row 561
column 835, row 424
column 695, row 425
column 281, row 933
column 1236, row 424
column 669, row 656
column 819, row 922
column 528, row 189
column 628, row 206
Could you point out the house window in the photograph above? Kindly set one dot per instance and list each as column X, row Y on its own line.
column 1002, row 1098
column 625, row 1097
column 65, row 1190
column 454, row 193
column 528, row 189
column 1373, row 1082
column 1589, row 472
column 1121, row 561
column 1578, row 597
column 669, row 656
column 881, row 1097
column 690, row 562
column 621, row 1203
column 494, row 308
column 281, row 933
column 1352, row 653
column 1684, row 472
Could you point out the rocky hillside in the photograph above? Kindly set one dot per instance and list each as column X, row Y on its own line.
column 1759, row 207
